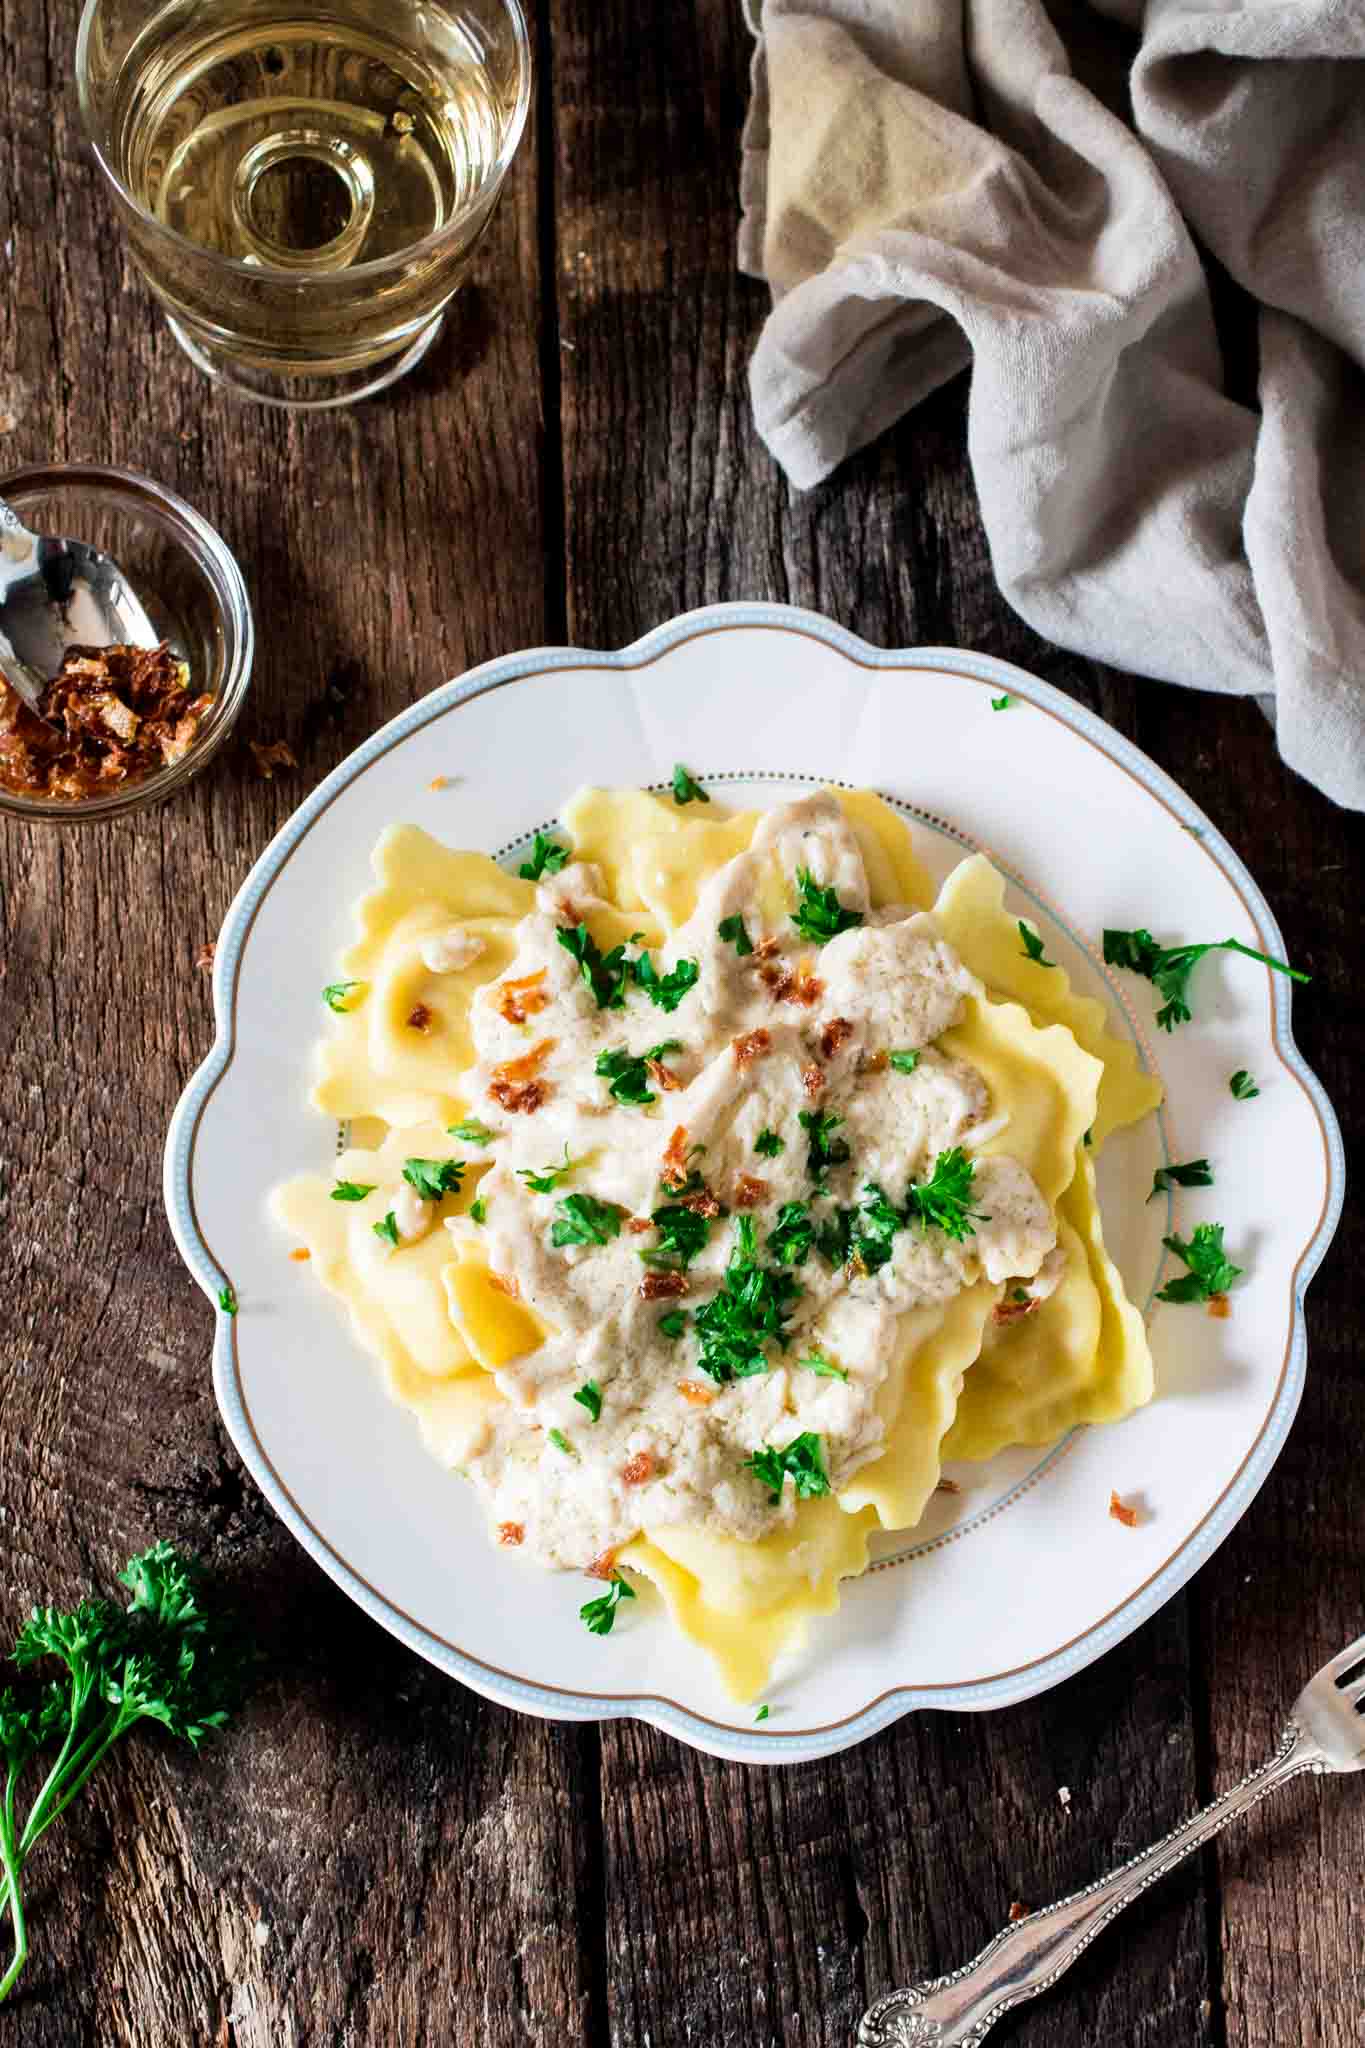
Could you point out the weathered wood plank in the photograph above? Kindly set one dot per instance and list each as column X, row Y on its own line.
column 746, row 1909
column 377, row 1855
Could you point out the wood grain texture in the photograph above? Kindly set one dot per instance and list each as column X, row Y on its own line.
column 377, row 1856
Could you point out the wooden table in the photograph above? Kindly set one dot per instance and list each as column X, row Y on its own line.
column 376, row 1855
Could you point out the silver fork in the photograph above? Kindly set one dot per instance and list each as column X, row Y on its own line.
column 1326, row 1732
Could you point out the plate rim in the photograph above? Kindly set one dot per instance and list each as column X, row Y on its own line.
column 718, row 1737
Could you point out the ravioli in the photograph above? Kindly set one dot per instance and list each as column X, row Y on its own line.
column 479, row 996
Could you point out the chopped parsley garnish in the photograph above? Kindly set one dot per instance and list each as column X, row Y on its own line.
column 803, row 1459
column 335, row 994
column 748, row 1313
column 353, row 1190
column 1169, row 968
column 904, row 1062
column 1089, row 1137
column 762, row 1714
column 628, row 1074
column 768, row 1145
column 823, row 1368
column 589, row 1396
column 227, row 1300
column 793, row 1235
column 547, row 858
column 820, row 915
column 944, row 1200
column 433, row 1178
column 1002, row 703
column 561, row 1442
column 682, row 1234
column 605, row 973
column 825, row 1150
column 665, row 991
column 547, row 1180
column 686, row 789
column 733, row 932
column 1242, row 1085
column 478, row 1210
column 673, row 1324
column 472, row 1131
column 1211, row 1271
column 1033, row 946
column 600, row 1615
column 582, row 1219
column 1020, row 1294
column 862, row 1237
column 1196, row 1173
column 387, row 1229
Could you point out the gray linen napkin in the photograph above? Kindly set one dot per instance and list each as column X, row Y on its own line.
column 925, row 184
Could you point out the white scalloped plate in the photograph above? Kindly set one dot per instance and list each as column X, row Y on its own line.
column 1022, row 1578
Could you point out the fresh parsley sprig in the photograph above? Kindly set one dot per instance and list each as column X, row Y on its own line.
column 1210, row 1272
column 1195, row 1173
column 547, row 858
column 686, row 788
column 904, row 1062
column 433, row 1178
column 353, row 1190
column 768, row 1145
column 472, row 1131
column 549, row 1178
column 600, row 1614
column 673, row 1324
column 1243, row 1087
column 336, row 995
column 628, row 1072
column 582, row 1219
column 589, row 1396
column 1033, row 946
column 665, row 991
column 792, row 1237
column 168, row 1655
column 732, row 931
column 1169, row 968
column 819, row 915
column 802, row 1460
column 748, row 1314
column 825, row 1150
column 943, row 1202
column 682, row 1235
column 605, row 973
column 387, row 1230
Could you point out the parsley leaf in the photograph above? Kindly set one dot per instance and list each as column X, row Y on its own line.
column 904, row 1062
column 1242, row 1086
column 793, row 1235
column 682, row 1234
column 433, row 1178
column 1211, row 1271
column 686, row 790
column 478, row 1210
column 582, row 1219
column 227, row 1300
column 547, row 858
column 561, row 1442
column 823, row 1368
column 820, row 915
column 600, row 1615
column 605, row 973
column 628, row 1074
column 803, row 1458
column 665, row 991
column 547, row 1180
column 825, row 1150
column 673, row 1324
column 1033, row 946
column 1002, row 703
column 353, row 1190
column 472, row 1131
column 732, row 931
column 944, row 1200
column 768, row 1145
column 762, row 1714
column 863, row 1238
column 169, row 1655
column 335, row 994
column 1089, row 1137
column 387, row 1229
column 748, row 1313
column 589, row 1396
column 1169, row 968
column 1195, row 1174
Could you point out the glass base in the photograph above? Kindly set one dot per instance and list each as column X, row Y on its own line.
column 304, row 392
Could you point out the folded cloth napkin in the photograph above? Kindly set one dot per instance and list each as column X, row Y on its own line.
column 925, row 184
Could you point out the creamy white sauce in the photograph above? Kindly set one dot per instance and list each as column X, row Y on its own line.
column 448, row 951
column 891, row 986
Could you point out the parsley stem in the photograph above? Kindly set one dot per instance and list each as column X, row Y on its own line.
column 10, row 1858
column 84, row 1764
column 1280, row 966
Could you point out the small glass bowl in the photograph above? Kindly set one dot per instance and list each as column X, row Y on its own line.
column 191, row 588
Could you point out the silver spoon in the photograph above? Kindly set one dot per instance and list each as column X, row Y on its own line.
column 56, row 594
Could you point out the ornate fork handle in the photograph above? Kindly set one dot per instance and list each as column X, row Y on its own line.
column 1029, row 1956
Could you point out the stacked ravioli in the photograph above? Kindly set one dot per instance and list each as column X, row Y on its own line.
column 480, row 1353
